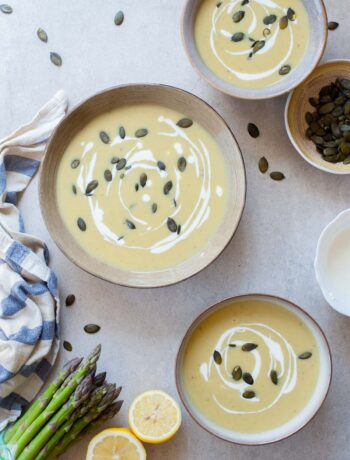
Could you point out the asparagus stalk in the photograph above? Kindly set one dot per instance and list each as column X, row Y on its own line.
column 100, row 379
column 14, row 432
column 59, row 398
column 81, row 393
column 95, row 397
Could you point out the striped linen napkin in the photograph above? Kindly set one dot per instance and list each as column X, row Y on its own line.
column 28, row 289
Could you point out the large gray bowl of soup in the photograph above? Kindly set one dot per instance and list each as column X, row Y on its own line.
column 253, row 369
column 142, row 185
column 254, row 49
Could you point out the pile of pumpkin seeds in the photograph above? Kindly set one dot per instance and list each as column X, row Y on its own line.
column 238, row 373
column 329, row 123
column 268, row 21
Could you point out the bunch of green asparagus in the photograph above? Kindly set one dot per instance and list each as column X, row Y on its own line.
column 78, row 401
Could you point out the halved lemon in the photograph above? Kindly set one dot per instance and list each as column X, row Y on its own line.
column 154, row 416
column 114, row 443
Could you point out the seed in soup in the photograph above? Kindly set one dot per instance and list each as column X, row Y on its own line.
column 262, row 382
column 149, row 184
column 252, row 44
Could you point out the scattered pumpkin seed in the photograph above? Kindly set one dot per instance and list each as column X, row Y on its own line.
column 185, row 123
column 263, row 165
column 332, row 25
column 257, row 46
column 244, row 2
column 130, row 224
column 121, row 164
column 266, row 32
column 232, row 345
column 7, row 9
column 42, row 35
column 167, row 187
column 291, row 14
column 136, row 187
column 218, row 4
column 305, row 355
column 81, row 224
column 91, row 328
column 248, row 394
column 143, row 179
column 217, row 357
column 178, row 229
column 238, row 16
column 75, row 163
column 70, row 299
column 270, row 19
column 248, row 378
column 249, row 346
column 274, row 377
column 237, row 37
column 285, row 69
column 56, row 59
column 91, row 186
column 253, row 130
column 104, row 137
column 122, row 132
column 74, row 189
column 108, row 175
column 119, row 18
column 237, row 373
column 283, row 22
column 142, row 132
column 154, row 208
column 161, row 165
column 67, row 345
column 171, row 224
column 181, row 164
column 276, row 175
column 115, row 160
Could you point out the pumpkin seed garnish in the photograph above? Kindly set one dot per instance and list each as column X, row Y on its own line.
column 291, row 14
column 178, row 229
column 217, row 357
column 237, row 373
column 332, row 25
column 91, row 328
column 276, row 175
column 274, row 377
column 121, row 164
column 167, row 187
column 237, row 37
column 136, row 187
column 253, row 130
column 266, row 32
column 171, row 224
column 305, row 355
column 218, row 4
column 130, row 224
column 258, row 46
column 283, row 22
column 104, row 137
column 244, row 2
column 232, row 345
column 122, row 132
column 248, row 394
column 249, row 346
column 270, row 19
column 108, row 175
column 181, row 164
column 142, row 132
column 161, row 165
column 91, row 186
column 67, row 345
column 263, row 165
column 119, row 18
column 81, row 224
column 143, row 179
column 154, row 208
column 285, row 69
column 74, row 189
column 70, row 299
column 56, row 59
column 115, row 160
column 238, row 16
column 185, row 123
column 7, row 9
column 42, row 35
column 75, row 163
column 248, row 378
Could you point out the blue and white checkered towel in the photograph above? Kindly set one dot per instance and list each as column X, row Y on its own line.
column 28, row 288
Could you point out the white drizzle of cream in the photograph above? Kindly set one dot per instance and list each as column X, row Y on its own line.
column 196, row 153
column 270, row 42
column 278, row 348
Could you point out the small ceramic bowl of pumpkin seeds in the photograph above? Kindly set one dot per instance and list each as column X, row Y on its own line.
column 317, row 117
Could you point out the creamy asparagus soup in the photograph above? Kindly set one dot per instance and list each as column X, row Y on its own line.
column 252, row 43
column 251, row 366
column 142, row 187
